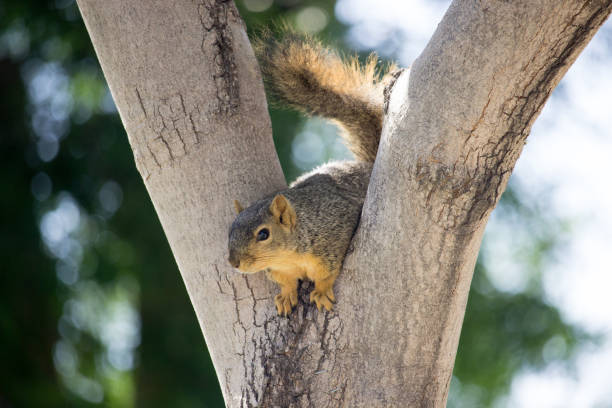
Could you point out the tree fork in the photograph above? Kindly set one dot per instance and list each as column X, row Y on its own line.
column 190, row 96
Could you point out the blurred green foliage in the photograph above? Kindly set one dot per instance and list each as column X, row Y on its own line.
column 92, row 308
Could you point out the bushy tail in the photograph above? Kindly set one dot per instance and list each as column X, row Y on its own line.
column 300, row 72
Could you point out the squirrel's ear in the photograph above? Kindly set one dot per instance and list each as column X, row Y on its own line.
column 283, row 211
column 238, row 207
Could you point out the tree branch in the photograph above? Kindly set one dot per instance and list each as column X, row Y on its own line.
column 453, row 133
column 190, row 95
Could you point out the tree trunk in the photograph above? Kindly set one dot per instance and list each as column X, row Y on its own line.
column 189, row 93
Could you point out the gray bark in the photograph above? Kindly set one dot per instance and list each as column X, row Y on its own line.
column 189, row 93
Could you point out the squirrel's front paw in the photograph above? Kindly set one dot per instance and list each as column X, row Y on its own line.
column 285, row 302
column 322, row 298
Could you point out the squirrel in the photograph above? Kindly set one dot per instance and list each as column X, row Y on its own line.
column 304, row 232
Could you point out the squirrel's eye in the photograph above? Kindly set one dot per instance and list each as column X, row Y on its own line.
column 263, row 234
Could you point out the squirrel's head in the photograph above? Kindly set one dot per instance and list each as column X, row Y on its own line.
column 261, row 234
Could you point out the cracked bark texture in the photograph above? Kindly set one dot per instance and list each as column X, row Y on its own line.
column 189, row 93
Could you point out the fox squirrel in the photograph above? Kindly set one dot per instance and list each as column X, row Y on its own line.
column 305, row 230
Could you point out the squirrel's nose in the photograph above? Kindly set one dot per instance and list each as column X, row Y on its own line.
column 233, row 260
column 235, row 264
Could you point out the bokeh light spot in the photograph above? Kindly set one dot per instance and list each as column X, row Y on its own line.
column 257, row 6
column 311, row 20
column 41, row 186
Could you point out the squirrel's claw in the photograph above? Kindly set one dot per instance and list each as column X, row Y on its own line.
column 285, row 302
column 323, row 299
